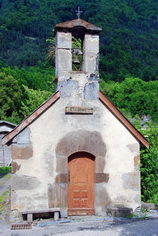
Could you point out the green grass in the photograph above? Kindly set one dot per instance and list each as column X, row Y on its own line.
column 131, row 215
column 3, row 196
column 143, row 210
column 144, row 216
column 5, row 177
column 3, row 201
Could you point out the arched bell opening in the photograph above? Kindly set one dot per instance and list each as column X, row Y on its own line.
column 78, row 33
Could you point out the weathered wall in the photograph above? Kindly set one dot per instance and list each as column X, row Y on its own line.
column 63, row 55
column 41, row 151
column 5, row 152
column 1, row 150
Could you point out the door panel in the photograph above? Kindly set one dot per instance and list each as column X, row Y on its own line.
column 81, row 185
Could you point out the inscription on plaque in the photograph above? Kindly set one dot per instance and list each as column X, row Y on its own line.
column 78, row 110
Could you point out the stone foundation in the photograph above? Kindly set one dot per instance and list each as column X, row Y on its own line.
column 118, row 211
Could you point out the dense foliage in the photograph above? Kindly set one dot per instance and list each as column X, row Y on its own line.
column 5, row 170
column 129, row 41
column 149, row 165
column 133, row 96
column 23, row 90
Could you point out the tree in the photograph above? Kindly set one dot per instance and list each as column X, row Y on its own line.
column 129, row 40
column 34, row 99
column 134, row 96
column 33, row 77
column 10, row 95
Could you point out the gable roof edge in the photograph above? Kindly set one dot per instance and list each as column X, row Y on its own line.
column 69, row 25
column 31, row 118
column 123, row 120
column 7, row 122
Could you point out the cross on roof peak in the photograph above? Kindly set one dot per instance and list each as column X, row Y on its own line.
column 78, row 12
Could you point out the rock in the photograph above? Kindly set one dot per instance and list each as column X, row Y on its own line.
column 119, row 211
column 148, row 206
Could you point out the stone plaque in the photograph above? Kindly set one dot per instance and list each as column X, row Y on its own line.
column 78, row 110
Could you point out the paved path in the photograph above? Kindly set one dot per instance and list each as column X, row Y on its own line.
column 107, row 227
column 135, row 228
column 5, row 183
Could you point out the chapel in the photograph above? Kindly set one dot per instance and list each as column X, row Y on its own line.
column 76, row 151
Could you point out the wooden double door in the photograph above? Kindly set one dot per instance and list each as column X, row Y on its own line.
column 81, row 184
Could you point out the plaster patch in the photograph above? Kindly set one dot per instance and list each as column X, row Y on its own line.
column 101, row 177
column 131, row 180
column 137, row 162
column 81, row 140
column 28, row 201
column 24, row 182
column 133, row 147
column 61, row 165
column 102, row 199
column 63, row 40
column 48, row 157
column 57, row 196
column 99, row 164
column 67, row 86
column 121, row 201
column 23, row 137
column 22, row 151
column 61, row 178
column 91, row 91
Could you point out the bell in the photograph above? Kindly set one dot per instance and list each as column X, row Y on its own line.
column 76, row 51
column 79, row 52
column 76, row 60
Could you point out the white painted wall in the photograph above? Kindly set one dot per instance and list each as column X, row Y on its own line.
column 51, row 127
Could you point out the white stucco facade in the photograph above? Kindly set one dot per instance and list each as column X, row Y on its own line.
column 44, row 135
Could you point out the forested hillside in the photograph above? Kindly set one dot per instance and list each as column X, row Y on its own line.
column 129, row 41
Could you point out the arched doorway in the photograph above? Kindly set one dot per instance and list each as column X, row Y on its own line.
column 81, row 184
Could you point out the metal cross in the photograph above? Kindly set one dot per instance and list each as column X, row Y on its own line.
column 78, row 12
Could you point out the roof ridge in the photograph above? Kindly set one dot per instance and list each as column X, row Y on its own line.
column 77, row 22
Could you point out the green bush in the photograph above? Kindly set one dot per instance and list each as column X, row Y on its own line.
column 5, row 169
column 149, row 165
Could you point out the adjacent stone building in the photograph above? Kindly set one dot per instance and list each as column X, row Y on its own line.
column 5, row 151
column 76, row 151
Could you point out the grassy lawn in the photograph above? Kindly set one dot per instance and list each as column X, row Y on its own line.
column 4, row 177
column 3, row 201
